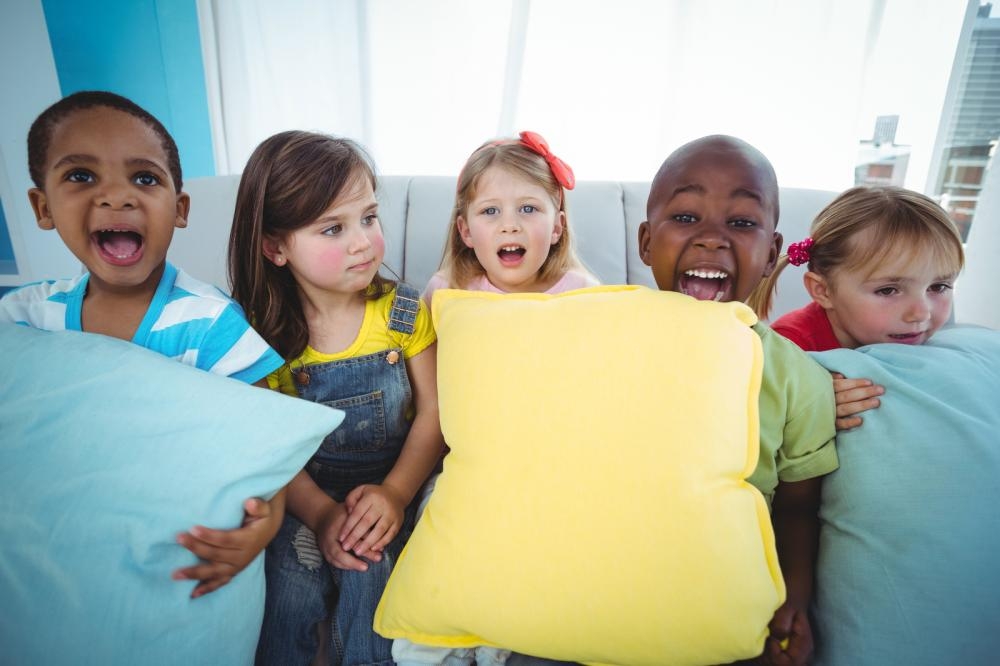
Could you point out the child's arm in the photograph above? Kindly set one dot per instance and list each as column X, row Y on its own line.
column 376, row 511
column 853, row 397
column 325, row 517
column 228, row 552
column 796, row 529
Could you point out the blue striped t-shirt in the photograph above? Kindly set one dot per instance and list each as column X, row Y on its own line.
column 188, row 320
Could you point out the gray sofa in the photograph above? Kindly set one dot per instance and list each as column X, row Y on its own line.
column 604, row 217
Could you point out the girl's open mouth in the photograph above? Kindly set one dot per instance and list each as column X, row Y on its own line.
column 706, row 285
column 511, row 255
column 907, row 338
column 119, row 246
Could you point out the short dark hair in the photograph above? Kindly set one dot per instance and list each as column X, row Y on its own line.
column 40, row 134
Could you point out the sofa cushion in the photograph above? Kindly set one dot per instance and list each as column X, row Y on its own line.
column 908, row 570
column 594, row 504
column 109, row 451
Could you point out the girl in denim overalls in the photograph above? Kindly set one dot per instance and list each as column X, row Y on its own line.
column 304, row 255
column 509, row 232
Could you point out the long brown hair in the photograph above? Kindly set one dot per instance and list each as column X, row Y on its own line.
column 890, row 217
column 459, row 263
column 289, row 181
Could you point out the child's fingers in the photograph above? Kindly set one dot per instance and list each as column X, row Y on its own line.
column 842, row 384
column 354, row 497
column 204, row 571
column 378, row 539
column 358, row 524
column 848, row 422
column 856, row 407
column 858, row 393
column 223, row 539
column 208, row 586
column 255, row 509
column 344, row 560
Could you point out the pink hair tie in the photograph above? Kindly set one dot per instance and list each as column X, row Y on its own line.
column 560, row 170
column 798, row 253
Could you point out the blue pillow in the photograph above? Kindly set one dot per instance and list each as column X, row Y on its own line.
column 908, row 569
column 109, row 450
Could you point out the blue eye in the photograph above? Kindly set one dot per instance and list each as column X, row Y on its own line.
column 491, row 210
column 146, row 179
column 369, row 220
column 80, row 176
column 528, row 208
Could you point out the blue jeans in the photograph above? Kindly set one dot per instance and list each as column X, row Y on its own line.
column 303, row 589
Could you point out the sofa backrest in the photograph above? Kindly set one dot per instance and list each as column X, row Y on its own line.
column 604, row 217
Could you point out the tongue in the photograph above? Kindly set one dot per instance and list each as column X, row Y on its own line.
column 120, row 243
column 702, row 288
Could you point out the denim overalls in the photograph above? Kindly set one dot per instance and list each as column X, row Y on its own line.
column 302, row 587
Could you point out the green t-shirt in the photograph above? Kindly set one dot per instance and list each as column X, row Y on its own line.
column 797, row 416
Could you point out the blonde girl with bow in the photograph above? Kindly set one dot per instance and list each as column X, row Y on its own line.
column 509, row 232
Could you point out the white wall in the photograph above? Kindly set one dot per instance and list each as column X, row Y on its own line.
column 29, row 84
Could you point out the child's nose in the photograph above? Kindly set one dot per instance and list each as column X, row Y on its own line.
column 510, row 222
column 115, row 195
column 359, row 240
column 918, row 310
column 712, row 236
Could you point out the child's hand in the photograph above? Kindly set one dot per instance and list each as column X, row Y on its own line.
column 791, row 641
column 375, row 516
column 225, row 553
column 854, row 396
column 328, row 540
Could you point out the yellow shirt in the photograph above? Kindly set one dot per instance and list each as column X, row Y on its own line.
column 374, row 336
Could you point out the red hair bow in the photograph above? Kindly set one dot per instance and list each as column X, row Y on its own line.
column 563, row 174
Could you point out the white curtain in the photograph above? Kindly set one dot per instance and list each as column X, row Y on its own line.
column 614, row 87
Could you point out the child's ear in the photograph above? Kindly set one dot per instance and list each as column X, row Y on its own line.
column 463, row 231
column 183, row 208
column 272, row 250
column 644, row 242
column 40, row 205
column 557, row 228
column 772, row 258
column 819, row 289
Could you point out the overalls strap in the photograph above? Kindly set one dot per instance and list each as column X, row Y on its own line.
column 404, row 310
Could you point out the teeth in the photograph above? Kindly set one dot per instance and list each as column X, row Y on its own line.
column 510, row 248
column 718, row 296
column 706, row 275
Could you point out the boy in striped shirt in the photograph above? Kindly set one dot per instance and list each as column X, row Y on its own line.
column 107, row 178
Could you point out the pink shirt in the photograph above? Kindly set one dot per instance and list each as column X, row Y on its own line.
column 573, row 279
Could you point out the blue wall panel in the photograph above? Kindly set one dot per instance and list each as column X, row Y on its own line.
column 8, row 266
column 146, row 50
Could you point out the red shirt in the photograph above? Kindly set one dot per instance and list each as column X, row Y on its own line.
column 808, row 327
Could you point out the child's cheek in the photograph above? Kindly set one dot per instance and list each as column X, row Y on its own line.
column 378, row 247
column 334, row 258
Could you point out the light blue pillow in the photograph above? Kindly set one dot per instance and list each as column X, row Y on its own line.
column 909, row 562
column 108, row 451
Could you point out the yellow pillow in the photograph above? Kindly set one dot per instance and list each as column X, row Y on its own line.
column 594, row 506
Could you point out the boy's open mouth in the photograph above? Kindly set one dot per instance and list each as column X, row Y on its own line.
column 511, row 254
column 119, row 246
column 706, row 285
